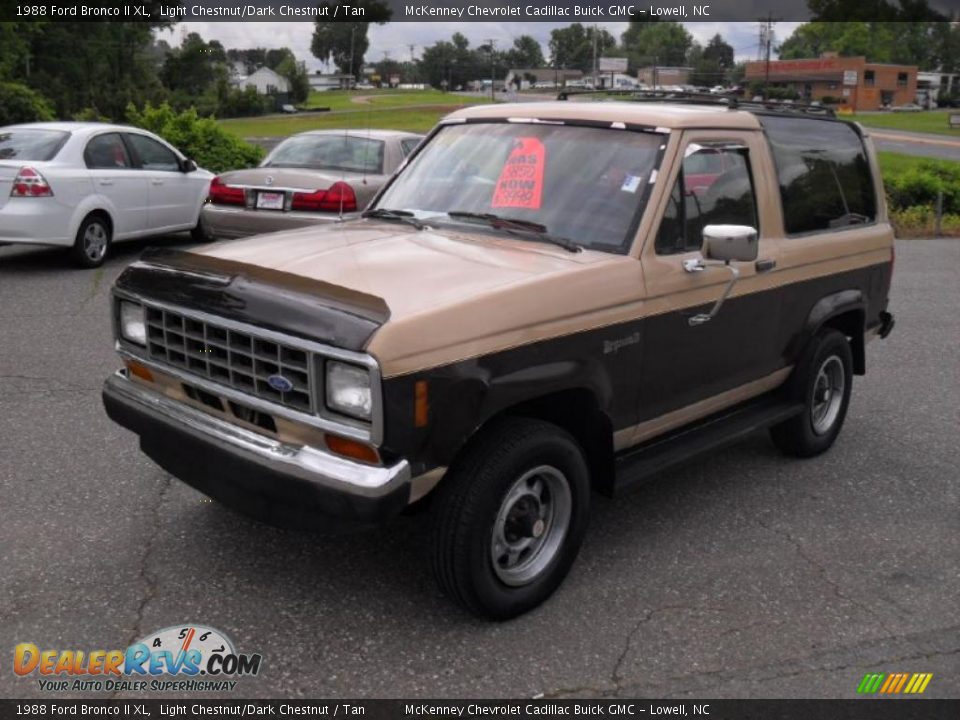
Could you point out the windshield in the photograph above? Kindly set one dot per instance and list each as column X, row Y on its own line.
column 584, row 184
column 36, row 145
column 329, row 152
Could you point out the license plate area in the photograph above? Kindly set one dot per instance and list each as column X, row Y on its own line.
column 270, row 200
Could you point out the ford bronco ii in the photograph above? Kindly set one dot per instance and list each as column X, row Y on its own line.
column 547, row 300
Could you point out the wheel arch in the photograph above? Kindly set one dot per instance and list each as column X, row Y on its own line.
column 845, row 311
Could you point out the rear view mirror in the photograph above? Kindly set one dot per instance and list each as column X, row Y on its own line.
column 730, row 242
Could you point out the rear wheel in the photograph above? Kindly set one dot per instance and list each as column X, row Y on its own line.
column 510, row 517
column 822, row 382
column 93, row 241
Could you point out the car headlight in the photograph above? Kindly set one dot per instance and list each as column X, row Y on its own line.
column 348, row 390
column 133, row 326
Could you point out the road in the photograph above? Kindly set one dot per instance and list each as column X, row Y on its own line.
column 920, row 144
column 743, row 574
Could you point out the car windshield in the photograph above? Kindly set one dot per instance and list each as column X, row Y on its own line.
column 342, row 153
column 584, row 184
column 35, row 145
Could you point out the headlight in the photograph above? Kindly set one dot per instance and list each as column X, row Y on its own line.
column 348, row 390
column 133, row 327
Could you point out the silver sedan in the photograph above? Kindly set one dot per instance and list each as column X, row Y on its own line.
column 314, row 177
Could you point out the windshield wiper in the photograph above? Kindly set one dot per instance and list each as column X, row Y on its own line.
column 515, row 226
column 390, row 214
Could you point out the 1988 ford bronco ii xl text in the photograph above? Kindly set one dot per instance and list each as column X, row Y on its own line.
column 547, row 300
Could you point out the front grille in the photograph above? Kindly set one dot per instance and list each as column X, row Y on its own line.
column 229, row 357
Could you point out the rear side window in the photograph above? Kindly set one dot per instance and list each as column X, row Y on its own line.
column 408, row 145
column 35, row 145
column 825, row 180
column 106, row 152
column 153, row 155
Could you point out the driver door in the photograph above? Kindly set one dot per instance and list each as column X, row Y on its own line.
column 718, row 362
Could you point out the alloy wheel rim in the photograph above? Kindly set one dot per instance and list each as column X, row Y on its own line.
column 95, row 242
column 531, row 525
column 828, row 391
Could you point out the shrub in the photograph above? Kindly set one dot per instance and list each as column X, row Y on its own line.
column 20, row 104
column 919, row 221
column 198, row 138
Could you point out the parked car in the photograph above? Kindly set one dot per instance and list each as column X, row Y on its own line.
column 536, row 307
column 315, row 177
column 289, row 109
column 907, row 107
column 87, row 185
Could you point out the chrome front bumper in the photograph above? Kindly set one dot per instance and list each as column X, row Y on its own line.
column 281, row 483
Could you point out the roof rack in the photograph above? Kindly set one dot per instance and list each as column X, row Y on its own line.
column 731, row 102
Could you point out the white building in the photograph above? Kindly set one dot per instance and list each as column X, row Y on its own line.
column 266, row 81
column 931, row 85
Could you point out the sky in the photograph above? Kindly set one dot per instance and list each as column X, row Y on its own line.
column 394, row 39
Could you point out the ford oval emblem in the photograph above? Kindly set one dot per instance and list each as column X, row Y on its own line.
column 269, row 180
column 280, row 383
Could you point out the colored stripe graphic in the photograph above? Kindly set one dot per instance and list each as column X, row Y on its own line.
column 894, row 683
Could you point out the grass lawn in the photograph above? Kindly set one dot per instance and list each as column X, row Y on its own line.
column 933, row 121
column 344, row 100
column 414, row 120
column 414, row 110
column 896, row 163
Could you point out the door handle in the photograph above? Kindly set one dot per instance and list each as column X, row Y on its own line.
column 106, row 183
column 156, row 182
column 765, row 265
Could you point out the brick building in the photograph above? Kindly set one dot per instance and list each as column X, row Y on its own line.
column 852, row 82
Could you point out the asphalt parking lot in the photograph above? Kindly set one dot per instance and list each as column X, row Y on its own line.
column 743, row 574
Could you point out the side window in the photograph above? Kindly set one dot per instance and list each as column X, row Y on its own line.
column 407, row 146
column 823, row 172
column 153, row 155
column 106, row 152
column 714, row 188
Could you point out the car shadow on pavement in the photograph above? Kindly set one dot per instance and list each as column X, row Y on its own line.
column 386, row 572
column 32, row 258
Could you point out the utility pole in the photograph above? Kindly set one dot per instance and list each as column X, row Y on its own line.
column 595, row 55
column 769, row 39
column 412, row 46
column 493, row 96
column 352, row 78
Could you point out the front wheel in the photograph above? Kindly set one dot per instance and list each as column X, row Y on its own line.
column 510, row 517
column 822, row 382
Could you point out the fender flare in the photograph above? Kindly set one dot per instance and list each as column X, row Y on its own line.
column 851, row 302
column 90, row 204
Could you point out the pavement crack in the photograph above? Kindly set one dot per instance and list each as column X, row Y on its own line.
column 144, row 575
column 824, row 576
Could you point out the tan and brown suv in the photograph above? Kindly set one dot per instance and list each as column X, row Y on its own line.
column 547, row 300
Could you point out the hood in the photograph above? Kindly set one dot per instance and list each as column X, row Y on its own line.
column 448, row 295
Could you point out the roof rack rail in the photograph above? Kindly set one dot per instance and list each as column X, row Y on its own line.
column 731, row 102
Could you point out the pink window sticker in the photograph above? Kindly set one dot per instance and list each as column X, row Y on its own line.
column 520, row 183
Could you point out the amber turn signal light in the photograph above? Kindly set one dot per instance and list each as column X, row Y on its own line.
column 421, row 404
column 140, row 371
column 352, row 449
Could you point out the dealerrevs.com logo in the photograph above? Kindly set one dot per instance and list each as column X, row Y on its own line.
column 186, row 658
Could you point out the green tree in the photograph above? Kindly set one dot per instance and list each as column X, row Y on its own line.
column 661, row 43
column 719, row 51
column 346, row 43
column 296, row 73
column 572, row 47
column 195, row 66
column 525, row 53
column 101, row 65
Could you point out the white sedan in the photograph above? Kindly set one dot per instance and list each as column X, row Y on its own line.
column 84, row 185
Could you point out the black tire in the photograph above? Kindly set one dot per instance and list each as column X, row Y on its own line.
column 200, row 233
column 473, row 501
column 92, row 244
column 811, row 432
